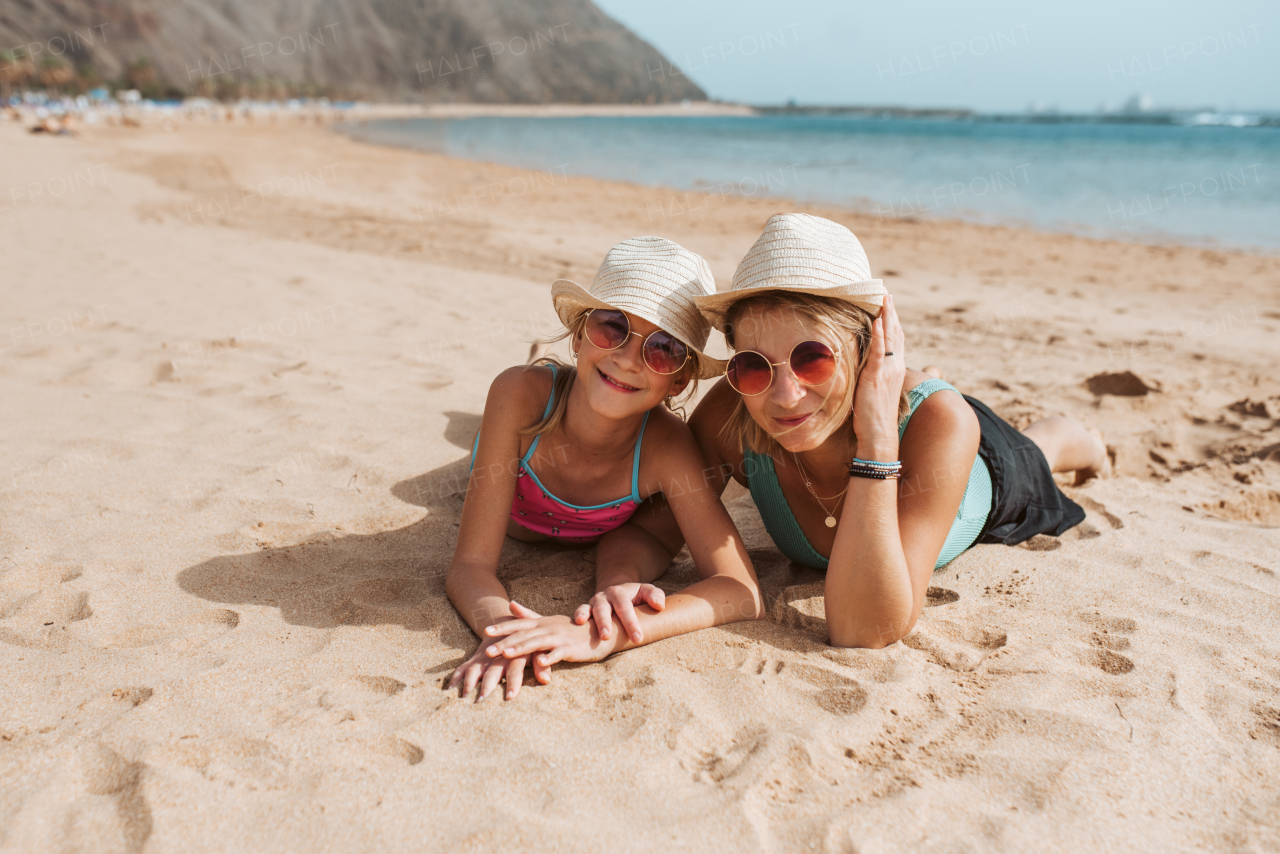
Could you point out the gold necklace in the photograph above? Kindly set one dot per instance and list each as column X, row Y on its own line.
column 831, row 515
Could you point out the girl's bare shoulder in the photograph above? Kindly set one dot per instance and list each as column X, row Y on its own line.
column 520, row 394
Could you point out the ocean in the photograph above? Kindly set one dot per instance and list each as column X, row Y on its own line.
column 1204, row 184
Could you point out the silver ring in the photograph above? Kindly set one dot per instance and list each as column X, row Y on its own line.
column 888, row 354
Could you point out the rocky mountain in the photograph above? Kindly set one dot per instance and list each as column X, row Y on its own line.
column 517, row 51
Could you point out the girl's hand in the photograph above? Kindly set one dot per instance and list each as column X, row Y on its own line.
column 548, row 640
column 488, row 670
column 875, row 401
column 620, row 601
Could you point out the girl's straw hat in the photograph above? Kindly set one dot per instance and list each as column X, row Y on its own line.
column 652, row 278
column 801, row 253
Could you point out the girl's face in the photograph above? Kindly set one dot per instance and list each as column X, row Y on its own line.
column 799, row 417
column 618, row 383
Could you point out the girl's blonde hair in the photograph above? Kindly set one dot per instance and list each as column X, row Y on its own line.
column 847, row 323
column 566, row 374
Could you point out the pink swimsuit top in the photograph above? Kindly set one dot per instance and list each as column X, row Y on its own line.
column 537, row 510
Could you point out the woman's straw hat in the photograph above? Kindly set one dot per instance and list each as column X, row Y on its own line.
column 801, row 253
column 653, row 278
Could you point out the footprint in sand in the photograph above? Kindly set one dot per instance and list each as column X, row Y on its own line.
column 936, row 597
column 95, row 802
column 801, row 607
column 1098, row 508
column 40, row 619
column 1110, row 635
column 1041, row 543
column 1268, row 724
column 838, row 694
column 359, row 691
column 357, row 749
column 183, row 635
column 958, row 647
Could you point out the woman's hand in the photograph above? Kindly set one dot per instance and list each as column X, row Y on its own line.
column 875, row 402
column 620, row 601
column 488, row 670
column 548, row 640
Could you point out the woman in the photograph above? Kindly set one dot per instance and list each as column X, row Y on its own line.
column 859, row 466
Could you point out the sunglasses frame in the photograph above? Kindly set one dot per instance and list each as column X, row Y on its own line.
column 835, row 352
column 644, row 339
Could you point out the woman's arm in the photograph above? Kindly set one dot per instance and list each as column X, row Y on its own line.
column 472, row 578
column 891, row 532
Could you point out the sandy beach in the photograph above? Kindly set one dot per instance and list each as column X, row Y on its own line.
column 242, row 364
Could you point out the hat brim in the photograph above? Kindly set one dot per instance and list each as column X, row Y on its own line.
column 714, row 307
column 571, row 299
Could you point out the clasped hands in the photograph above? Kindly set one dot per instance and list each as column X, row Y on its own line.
column 528, row 639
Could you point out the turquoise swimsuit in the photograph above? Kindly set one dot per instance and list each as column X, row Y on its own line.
column 781, row 524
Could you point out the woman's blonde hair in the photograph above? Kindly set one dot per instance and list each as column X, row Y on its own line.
column 566, row 374
column 847, row 323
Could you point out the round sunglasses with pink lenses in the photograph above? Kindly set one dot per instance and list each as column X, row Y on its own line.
column 609, row 329
column 750, row 373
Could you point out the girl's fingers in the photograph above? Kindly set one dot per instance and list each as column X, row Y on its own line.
column 541, row 672
column 492, row 676
column 654, row 597
column 506, row 646
column 497, row 630
column 552, row 656
column 515, row 676
column 603, row 614
column 534, row 644
column 518, row 610
column 472, row 677
column 581, row 615
column 626, row 615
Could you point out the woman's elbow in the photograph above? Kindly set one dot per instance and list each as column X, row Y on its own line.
column 862, row 642
column 869, row 637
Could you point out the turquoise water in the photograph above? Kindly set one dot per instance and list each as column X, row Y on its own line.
column 1151, row 182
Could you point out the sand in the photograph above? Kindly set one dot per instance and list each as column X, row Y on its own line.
column 234, row 432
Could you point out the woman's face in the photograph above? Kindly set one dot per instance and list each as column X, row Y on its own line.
column 798, row 416
column 618, row 383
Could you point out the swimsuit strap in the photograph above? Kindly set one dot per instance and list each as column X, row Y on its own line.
column 551, row 401
column 635, row 464
column 917, row 395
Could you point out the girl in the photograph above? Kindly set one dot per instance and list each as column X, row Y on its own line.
column 862, row 468
column 567, row 454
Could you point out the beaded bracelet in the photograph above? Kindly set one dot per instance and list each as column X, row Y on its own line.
column 875, row 470
column 896, row 464
column 874, row 475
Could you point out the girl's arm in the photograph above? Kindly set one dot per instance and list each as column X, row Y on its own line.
column 891, row 532
column 631, row 557
column 472, row 579
column 728, row 591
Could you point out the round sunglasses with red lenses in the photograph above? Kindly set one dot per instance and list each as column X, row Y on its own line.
column 609, row 329
column 750, row 373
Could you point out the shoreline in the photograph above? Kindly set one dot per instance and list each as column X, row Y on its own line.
column 355, row 129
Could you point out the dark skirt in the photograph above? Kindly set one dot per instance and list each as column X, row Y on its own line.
column 1025, row 500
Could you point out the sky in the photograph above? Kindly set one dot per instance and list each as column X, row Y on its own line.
column 992, row 56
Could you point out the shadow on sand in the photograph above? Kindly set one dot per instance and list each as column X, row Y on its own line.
column 396, row 577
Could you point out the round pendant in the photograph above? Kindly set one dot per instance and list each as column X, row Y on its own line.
column 831, row 521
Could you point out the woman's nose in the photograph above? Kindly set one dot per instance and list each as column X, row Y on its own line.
column 786, row 390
